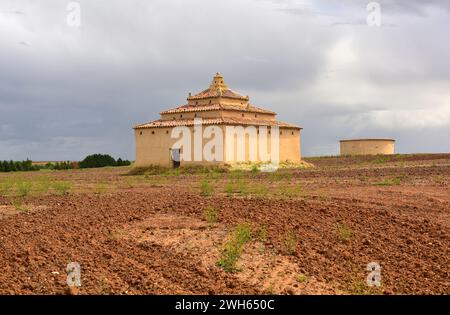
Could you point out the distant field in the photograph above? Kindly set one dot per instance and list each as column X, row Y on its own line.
column 303, row 231
column 46, row 162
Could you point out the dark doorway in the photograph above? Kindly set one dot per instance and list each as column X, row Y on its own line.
column 175, row 156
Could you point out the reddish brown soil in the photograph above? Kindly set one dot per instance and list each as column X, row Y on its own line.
column 147, row 235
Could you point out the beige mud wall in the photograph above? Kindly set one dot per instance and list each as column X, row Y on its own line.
column 154, row 144
column 153, row 147
column 367, row 147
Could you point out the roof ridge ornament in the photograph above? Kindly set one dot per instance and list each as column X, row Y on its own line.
column 218, row 83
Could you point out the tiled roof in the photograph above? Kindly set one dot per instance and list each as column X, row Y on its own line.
column 210, row 107
column 217, row 92
column 217, row 88
column 216, row 121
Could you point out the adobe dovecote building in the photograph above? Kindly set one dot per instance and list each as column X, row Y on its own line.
column 367, row 147
column 216, row 106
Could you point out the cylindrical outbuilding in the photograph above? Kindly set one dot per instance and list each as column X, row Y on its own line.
column 367, row 146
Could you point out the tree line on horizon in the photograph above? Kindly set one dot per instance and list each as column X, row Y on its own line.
column 91, row 161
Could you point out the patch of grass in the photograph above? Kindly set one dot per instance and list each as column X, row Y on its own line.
column 389, row 182
column 5, row 187
column 279, row 176
column 214, row 175
column 262, row 233
column 100, row 189
column 440, row 179
column 23, row 187
column 380, row 160
column 206, row 189
column 62, row 188
column 360, row 287
column 260, row 190
column 237, row 186
column 115, row 234
column 290, row 191
column 43, row 185
column 232, row 249
column 290, row 243
column 270, row 290
column 211, row 214
column 185, row 169
column 301, row 278
column 130, row 182
column 345, row 233
column 364, row 179
column 236, row 174
column 322, row 196
column 242, row 188
column 229, row 188
column 19, row 206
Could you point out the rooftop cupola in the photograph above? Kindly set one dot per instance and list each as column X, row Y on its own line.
column 218, row 83
column 217, row 92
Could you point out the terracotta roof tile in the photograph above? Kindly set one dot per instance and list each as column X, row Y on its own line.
column 216, row 121
column 214, row 92
column 211, row 107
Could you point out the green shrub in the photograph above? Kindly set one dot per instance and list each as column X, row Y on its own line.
column 205, row 188
column 62, row 188
column 290, row 243
column 102, row 160
column 211, row 215
column 232, row 249
column 229, row 189
column 23, row 187
column 344, row 232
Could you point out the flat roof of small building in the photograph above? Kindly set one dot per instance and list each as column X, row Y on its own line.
column 354, row 140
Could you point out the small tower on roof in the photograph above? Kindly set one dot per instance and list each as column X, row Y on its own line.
column 218, row 83
column 218, row 92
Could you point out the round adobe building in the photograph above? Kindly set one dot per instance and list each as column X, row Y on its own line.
column 367, row 146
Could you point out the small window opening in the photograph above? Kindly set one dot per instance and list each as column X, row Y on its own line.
column 153, row 132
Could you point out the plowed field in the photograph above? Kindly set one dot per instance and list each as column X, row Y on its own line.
column 314, row 231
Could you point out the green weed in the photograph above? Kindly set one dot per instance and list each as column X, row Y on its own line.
column 232, row 249
column 206, row 189
column 211, row 215
column 344, row 232
column 62, row 188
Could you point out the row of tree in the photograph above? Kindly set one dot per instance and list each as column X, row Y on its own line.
column 91, row 161
column 17, row 166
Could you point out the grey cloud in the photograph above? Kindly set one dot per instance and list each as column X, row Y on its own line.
column 75, row 91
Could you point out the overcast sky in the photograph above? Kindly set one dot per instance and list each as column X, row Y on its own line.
column 68, row 91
